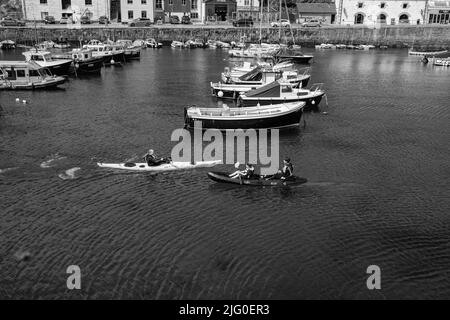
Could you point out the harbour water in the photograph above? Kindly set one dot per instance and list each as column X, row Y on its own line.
column 377, row 164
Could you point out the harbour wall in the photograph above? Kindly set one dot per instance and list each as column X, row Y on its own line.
column 429, row 37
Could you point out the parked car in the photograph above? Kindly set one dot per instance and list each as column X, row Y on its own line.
column 140, row 22
column 243, row 22
column 66, row 20
column 186, row 20
column 174, row 20
column 103, row 20
column 85, row 20
column 49, row 20
column 282, row 22
column 9, row 21
column 311, row 23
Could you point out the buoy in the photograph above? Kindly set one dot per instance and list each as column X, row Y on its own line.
column 24, row 101
column 17, row 100
column 112, row 61
column 325, row 112
column 220, row 94
column 313, row 102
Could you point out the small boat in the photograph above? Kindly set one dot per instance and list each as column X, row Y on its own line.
column 244, row 84
column 85, row 63
column 7, row 45
column 177, row 44
column 293, row 55
column 223, row 45
column 341, row 46
column 412, row 52
column 23, row 75
column 239, row 70
column 45, row 45
column 223, row 177
column 445, row 62
column 131, row 166
column 131, row 51
column 152, row 43
column 325, row 46
column 281, row 115
column 190, row 44
column 62, row 45
column 281, row 91
column 211, row 44
column 111, row 54
column 199, row 43
column 139, row 44
column 383, row 47
column 59, row 67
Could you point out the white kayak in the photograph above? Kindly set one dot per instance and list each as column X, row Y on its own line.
column 162, row 167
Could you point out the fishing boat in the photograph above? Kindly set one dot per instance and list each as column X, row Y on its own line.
column 61, row 45
column 412, row 52
column 111, row 54
column 257, row 181
column 190, row 44
column 131, row 51
column 59, row 67
column 211, row 44
column 85, row 62
column 26, row 75
column 152, row 43
column 246, row 66
column 139, row 43
column 281, row 115
column 282, row 91
column 325, row 46
column 234, row 89
column 173, row 166
column 7, row 45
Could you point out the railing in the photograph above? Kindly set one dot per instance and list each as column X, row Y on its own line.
column 316, row 87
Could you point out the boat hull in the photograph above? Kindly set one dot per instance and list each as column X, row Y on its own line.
column 287, row 120
column 61, row 69
column 223, row 177
column 117, row 57
column 296, row 59
column 311, row 102
column 132, row 54
column 49, row 84
column 143, row 167
column 89, row 66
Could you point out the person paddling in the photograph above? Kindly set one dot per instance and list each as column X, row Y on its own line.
column 151, row 159
column 288, row 169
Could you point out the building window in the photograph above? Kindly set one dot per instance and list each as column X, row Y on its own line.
column 43, row 15
column 20, row 73
column 143, row 14
column 129, row 1
column 383, row 5
column 158, row 4
column 43, row 1
column 183, row 2
column 359, row 18
column 65, row 4
column 194, row 5
column 170, row 2
column 143, row 1
column 130, row 14
column 405, row 5
column 403, row 18
column 246, row 2
column 382, row 18
column 88, row 2
column 194, row 15
column 360, row 4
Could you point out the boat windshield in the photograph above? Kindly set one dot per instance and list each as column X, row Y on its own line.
column 45, row 72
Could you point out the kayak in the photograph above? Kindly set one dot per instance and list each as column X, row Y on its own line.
column 131, row 166
column 224, row 178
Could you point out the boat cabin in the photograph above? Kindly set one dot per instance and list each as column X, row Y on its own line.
column 23, row 71
column 36, row 55
column 81, row 54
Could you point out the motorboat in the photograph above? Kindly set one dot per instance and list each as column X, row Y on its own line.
column 85, row 62
column 7, row 44
column 325, row 46
column 111, row 54
column 177, row 44
column 27, row 75
column 58, row 67
column 247, row 66
column 190, row 44
column 412, row 52
column 234, row 90
column 295, row 56
column 444, row 62
column 131, row 51
column 282, row 91
column 152, row 43
column 282, row 115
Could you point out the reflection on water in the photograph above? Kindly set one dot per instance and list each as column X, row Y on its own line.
column 377, row 166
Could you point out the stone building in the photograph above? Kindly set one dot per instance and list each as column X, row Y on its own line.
column 438, row 12
column 381, row 12
column 324, row 12
column 133, row 9
column 218, row 10
column 39, row 9
column 247, row 8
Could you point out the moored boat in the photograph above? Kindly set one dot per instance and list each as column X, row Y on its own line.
column 152, row 43
column 7, row 45
column 131, row 51
column 23, row 75
column 412, row 52
column 177, row 44
column 58, row 67
column 257, row 181
column 295, row 56
column 281, row 91
column 85, row 63
column 111, row 54
column 281, row 115
column 445, row 62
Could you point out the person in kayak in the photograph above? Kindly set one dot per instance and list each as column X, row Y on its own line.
column 152, row 161
column 245, row 174
column 285, row 173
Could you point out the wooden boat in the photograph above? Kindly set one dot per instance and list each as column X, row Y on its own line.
column 412, row 52
column 233, row 90
column 23, row 75
column 59, row 67
column 282, row 92
column 281, row 115
column 223, row 177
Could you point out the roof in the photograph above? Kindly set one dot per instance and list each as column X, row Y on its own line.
column 269, row 90
column 316, row 7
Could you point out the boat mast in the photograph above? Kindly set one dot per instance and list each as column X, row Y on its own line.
column 260, row 22
column 279, row 24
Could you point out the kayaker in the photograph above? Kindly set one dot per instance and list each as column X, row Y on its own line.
column 246, row 174
column 151, row 159
column 288, row 169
